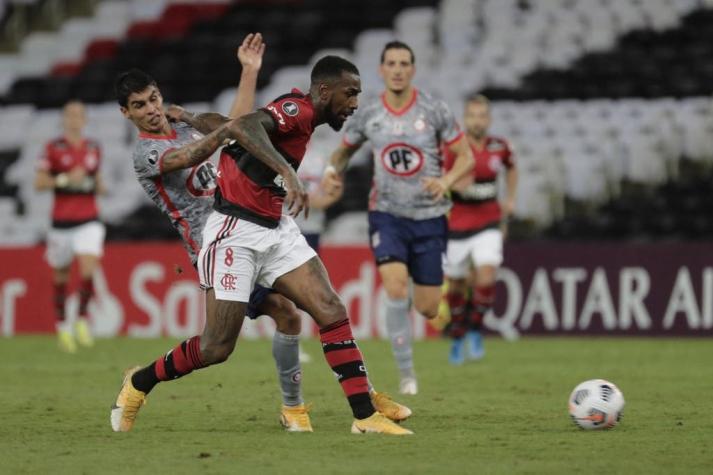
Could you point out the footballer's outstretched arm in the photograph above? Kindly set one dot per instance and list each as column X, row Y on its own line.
column 250, row 55
column 251, row 131
column 194, row 153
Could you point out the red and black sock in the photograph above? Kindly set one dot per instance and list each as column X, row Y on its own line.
column 457, row 303
column 483, row 299
column 178, row 362
column 60, row 297
column 86, row 292
column 345, row 359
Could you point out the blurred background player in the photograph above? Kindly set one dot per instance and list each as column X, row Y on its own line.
column 70, row 167
column 477, row 227
column 407, row 204
column 311, row 172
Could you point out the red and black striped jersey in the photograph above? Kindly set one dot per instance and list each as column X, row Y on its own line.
column 249, row 189
column 477, row 208
column 73, row 206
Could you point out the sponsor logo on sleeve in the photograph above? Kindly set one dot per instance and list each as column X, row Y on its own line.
column 153, row 157
column 290, row 108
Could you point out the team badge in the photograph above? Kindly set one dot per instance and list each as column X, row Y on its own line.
column 290, row 108
column 91, row 161
column 419, row 125
column 402, row 159
column 153, row 157
column 495, row 164
column 228, row 281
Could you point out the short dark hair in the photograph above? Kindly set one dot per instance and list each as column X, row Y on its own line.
column 331, row 67
column 397, row 45
column 128, row 82
column 478, row 98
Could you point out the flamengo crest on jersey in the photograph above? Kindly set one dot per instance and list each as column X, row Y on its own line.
column 185, row 196
column 407, row 147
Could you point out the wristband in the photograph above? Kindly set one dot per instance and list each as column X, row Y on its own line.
column 330, row 169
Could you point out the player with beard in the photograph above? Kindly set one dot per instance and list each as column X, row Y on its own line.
column 476, row 228
column 406, row 128
column 246, row 240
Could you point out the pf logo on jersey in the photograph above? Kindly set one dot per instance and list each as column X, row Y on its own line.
column 201, row 180
column 402, row 159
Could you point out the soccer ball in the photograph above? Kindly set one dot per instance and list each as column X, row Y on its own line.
column 596, row 404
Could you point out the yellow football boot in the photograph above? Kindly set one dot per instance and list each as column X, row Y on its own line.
column 296, row 418
column 128, row 403
column 84, row 334
column 378, row 423
column 65, row 341
column 393, row 410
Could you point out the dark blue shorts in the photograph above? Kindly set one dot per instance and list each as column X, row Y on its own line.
column 313, row 240
column 257, row 297
column 420, row 244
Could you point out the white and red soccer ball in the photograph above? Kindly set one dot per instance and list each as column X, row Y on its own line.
column 596, row 404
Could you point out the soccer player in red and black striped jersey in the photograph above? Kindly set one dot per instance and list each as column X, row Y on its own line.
column 476, row 228
column 247, row 240
column 70, row 167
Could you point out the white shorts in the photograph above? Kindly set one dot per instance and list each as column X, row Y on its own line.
column 482, row 249
column 64, row 243
column 238, row 254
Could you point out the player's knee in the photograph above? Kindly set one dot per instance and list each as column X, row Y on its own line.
column 215, row 352
column 428, row 309
column 288, row 319
column 396, row 290
column 331, row 310
column 458, row 286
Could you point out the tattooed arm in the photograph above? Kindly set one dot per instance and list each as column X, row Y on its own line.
column 204, row 123
column 194, row 153
column 251, row 132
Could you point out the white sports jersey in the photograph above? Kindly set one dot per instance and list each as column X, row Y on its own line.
column 406, row 147
column 185, row 196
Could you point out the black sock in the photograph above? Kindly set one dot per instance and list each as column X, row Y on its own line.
column 145, row 379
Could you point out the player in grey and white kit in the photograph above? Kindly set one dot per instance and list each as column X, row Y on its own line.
column 407, row 205
column 170, row 161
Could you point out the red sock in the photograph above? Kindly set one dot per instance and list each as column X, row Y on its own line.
column 345, row 359
column 86, row 292
column 483, row 298
column 60, row 296
column 178, row 362
column 457, row 304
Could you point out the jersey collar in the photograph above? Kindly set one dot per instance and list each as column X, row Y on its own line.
column 146, row 135
column 405, row 108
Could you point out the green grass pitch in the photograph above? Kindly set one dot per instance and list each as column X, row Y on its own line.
column 505, row 414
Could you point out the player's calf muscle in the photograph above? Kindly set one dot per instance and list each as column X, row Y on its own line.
column 221, row 331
